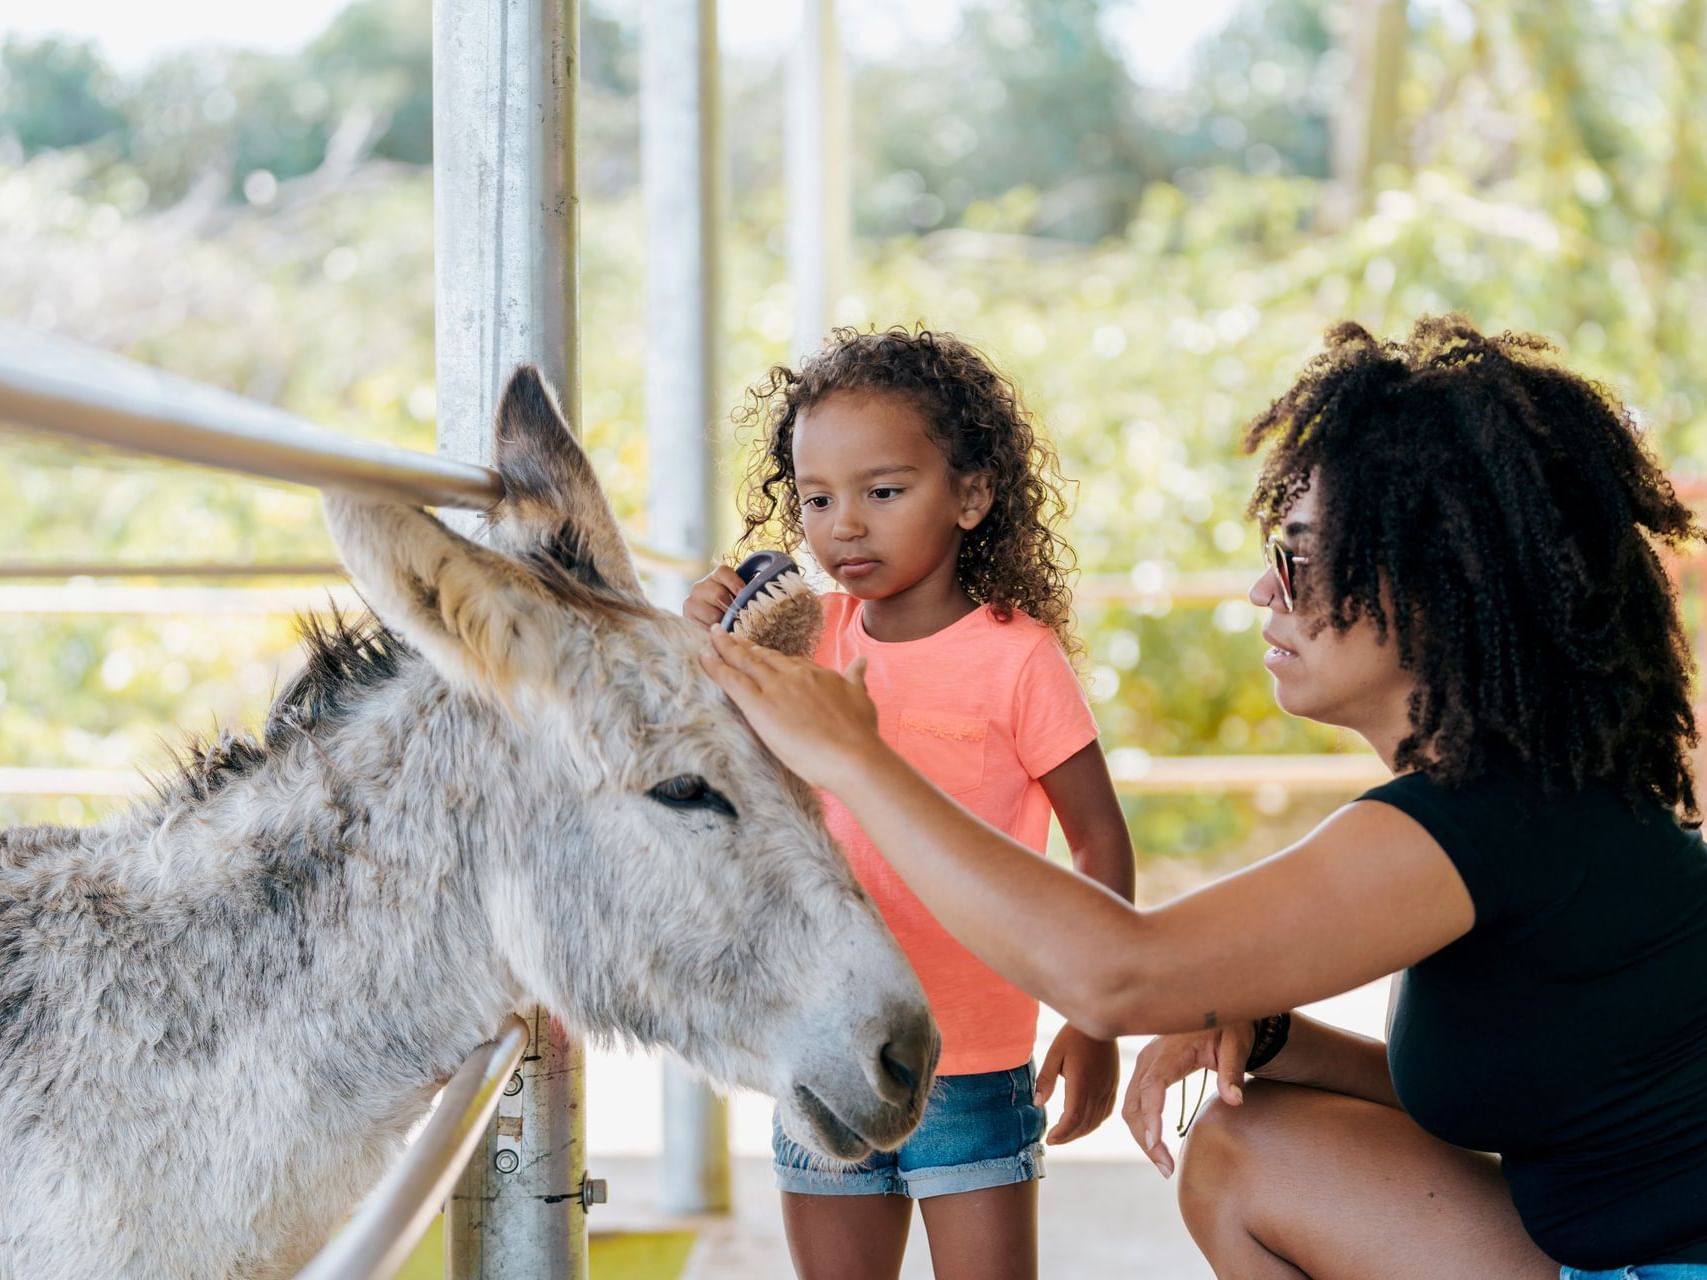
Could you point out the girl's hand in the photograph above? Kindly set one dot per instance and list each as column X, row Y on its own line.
column 1168, row 1059
column 712, row 595
column 816, row 721
column 1092, row 1071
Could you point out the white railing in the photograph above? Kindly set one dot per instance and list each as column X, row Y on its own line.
column 396, row 1214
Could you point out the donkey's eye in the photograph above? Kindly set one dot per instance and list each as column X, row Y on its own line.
column 689, row 791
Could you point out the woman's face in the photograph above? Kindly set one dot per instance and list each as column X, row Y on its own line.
column 1350, row 678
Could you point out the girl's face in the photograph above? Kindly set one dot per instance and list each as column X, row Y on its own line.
column 1350, row 678
column 881, row 508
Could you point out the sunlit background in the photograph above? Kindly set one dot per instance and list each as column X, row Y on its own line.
column 1146, row 212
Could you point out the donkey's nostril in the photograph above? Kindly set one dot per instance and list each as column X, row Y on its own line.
column 898, row 1068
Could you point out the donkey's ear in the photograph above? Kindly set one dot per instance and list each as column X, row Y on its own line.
column 482, row 620
column 553, row 506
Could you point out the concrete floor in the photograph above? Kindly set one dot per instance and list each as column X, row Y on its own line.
column 1104, row 1212
column 1098, row 1219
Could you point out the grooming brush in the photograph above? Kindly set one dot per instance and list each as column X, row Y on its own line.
column 776, row 608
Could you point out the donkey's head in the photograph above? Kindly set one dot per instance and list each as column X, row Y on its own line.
column 647, row 868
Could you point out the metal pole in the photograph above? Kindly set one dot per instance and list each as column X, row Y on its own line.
column 505, row 245
column 817, row 174
column 1366, row 120
column 681, row 156
column 506, row 224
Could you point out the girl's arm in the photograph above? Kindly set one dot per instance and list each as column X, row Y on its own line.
column 1369, row 892
column 1082, row 795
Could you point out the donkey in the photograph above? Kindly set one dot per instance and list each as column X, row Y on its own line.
column 221, row 1012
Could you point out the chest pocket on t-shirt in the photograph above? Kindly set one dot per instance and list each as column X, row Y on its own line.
column 947, row 749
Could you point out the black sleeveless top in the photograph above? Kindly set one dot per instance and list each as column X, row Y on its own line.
column 1567, row 1031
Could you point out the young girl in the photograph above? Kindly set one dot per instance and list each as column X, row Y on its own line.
column 909, row 468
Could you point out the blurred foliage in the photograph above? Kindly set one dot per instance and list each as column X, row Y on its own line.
column 206, row 124
column 1549, row 176
column 1030, row 95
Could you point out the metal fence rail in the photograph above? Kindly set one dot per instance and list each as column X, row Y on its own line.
column 83, row 393
column 59, row 570
column 1134, row 773
column 87, row 394
column 391, row 1221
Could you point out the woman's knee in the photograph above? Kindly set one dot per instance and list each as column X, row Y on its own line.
column 1223, row 1158
column 1213, row 1161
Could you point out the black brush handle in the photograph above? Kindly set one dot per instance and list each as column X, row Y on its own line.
column 758, row 571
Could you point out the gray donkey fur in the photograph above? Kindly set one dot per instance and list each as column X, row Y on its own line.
column 221, row 1012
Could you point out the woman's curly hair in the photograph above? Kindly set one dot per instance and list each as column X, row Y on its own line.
column 1014, row 559
column 1501, row 519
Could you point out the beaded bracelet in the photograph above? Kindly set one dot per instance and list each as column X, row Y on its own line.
column 1271, row 1039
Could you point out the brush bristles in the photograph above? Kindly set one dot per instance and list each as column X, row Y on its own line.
column 785, row 616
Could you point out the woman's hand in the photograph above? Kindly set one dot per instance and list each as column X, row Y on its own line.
column 816, row 721
column 1169, row 1059
column 712, row 595
column 1091, row 1069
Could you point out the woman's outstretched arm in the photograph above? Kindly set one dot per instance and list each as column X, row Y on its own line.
column 1368, row 893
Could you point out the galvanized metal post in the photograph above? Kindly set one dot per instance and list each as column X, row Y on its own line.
column 505, row 243
column 818, row 144
column 506, row 218
column 681, row 160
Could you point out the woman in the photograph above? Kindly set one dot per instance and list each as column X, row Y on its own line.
column 1463, row 570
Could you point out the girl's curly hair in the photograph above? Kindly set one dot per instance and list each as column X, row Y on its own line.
column 1501, row 519
column 1014, row 559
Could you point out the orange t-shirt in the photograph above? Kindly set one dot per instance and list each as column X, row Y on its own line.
column 983, row 709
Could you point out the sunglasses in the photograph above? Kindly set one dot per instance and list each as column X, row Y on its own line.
column 1285, row 566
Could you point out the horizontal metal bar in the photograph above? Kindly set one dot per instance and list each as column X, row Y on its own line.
column 55, row 570
column 1186, row 590
column 1135, row 773
column 1168, row 588
column 1192, row 590
column 71, row 782
column 645, row 558
column 53, row 384
column 227, row 602
column 396, row 1214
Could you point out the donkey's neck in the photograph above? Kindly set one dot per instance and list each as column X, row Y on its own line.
column 294, row 959
column 325, row 903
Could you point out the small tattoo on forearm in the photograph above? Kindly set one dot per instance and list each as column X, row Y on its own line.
column 1210, row 1021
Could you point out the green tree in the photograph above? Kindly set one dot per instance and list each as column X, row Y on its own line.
column 1030, row 95
column 1261, row 93
column 57, row 93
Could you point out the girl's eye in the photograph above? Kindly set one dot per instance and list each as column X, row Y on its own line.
column 884, row 492
column 817, row 502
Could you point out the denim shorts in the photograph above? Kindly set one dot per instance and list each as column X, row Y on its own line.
column 1658, row 1271
column 978, row 1131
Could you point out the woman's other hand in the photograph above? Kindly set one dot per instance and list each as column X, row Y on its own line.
column 712, row 595
column 1169, row 1059
column 815, row 720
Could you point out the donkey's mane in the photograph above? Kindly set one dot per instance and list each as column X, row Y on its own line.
column 345, row 656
